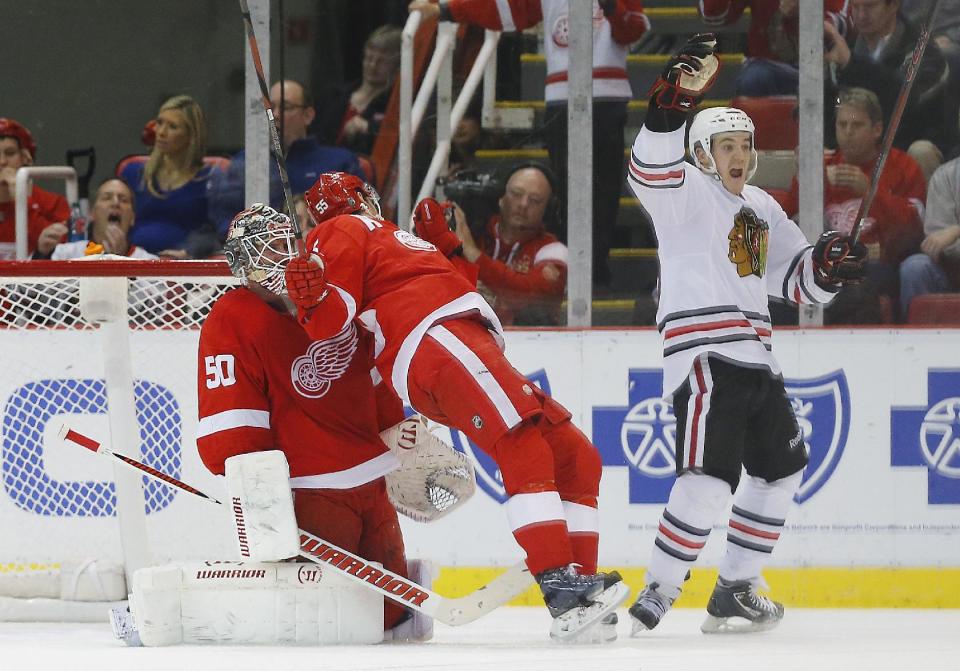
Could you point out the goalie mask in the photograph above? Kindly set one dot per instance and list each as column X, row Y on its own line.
column 259, row 245
column 712, row 121
column 336, row 193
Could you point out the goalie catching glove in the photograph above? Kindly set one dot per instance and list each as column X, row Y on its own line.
column 433, row 478
column 836, row 261
column 688, row 75
column 306, row 281
column 431, row 224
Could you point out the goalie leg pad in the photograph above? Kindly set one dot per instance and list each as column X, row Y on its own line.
column 253, row 604
column 419, row 626
column 258, row 486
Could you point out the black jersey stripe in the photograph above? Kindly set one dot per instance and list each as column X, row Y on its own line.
column 735, row 337
column 647, row 185
column 674, row 552
column 748, row 545
column 655, row 166
column 683, row 526
column 772, row 521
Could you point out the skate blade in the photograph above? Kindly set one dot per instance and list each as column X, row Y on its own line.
column 598, row 634
column 637, row 627
column 735, row 625
column 576, row 620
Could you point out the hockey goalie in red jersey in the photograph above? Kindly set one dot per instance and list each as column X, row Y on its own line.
column 439, row 346
column 265, row 384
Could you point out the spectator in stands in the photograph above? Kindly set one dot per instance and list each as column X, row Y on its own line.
column 306, row 158
column 352, row 114
column 892, row 230
column 17, row 150
column 111, row 218
column 937, row 268
column 522, row 267
column 876, row 58
column 170, row 189
column 617, row 24
column 773, row 44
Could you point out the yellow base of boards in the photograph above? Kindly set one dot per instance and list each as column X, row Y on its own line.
column 807, row 587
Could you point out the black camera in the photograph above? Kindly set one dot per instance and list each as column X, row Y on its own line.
column 477, row 194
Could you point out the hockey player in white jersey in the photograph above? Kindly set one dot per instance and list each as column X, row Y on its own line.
column 725, row 247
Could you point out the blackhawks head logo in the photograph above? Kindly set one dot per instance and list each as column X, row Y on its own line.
column 748, row 243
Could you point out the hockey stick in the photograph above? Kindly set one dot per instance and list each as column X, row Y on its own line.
column 450, row 611
column 276, row 147
column 895, row 117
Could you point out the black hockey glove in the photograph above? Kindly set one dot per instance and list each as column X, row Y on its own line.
column 687, row 76
column 836, row 262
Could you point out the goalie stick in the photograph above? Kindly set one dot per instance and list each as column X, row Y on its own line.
column 450, row 611
column 895, row 116
column 276, row 147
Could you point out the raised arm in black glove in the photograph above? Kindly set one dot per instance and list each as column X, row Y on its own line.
column 687, row 77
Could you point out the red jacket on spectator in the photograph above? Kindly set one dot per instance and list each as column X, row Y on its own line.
column 896, row 212
column 43, row 208
column 724, row 12
column 518, row 278
column 612, row 34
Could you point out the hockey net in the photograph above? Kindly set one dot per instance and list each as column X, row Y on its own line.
column 75, row 338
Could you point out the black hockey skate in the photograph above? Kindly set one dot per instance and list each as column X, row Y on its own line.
column 735, row 607
column 651, row 605
column 577, row 602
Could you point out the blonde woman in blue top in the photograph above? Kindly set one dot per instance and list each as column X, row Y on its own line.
column 170, row 189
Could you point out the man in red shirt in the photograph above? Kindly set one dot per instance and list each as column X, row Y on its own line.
column 893, row 228
column 439, row 347
column 265, row 384
column 522, row 268
column 17, row 150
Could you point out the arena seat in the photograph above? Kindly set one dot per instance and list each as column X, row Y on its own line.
column 776, row 127
column 935, row 309
column 220, row 162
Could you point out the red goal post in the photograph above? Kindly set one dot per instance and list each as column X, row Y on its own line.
column 109, row 346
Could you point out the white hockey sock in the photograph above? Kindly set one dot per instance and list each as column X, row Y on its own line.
column 759, row 512
column 696, row 501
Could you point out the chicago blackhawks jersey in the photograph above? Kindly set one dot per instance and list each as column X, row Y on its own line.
column 721, row 257
column 395, row 284
column 264, row 384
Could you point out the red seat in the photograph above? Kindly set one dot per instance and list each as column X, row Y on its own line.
column 934, row 309
column 219, row 161
column 779, row 195
column 773, row 118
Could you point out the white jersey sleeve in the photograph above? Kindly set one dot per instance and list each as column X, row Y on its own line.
column 789, row 261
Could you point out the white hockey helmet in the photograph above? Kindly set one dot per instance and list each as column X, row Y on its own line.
column 713, row 120
column 259, row 245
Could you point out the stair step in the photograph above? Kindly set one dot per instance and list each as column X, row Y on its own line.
column 642, row 70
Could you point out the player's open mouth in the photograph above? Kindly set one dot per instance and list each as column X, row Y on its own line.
column 113, row 218
column 736, row 173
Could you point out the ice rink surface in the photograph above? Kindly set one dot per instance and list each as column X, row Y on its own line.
column 516, row 638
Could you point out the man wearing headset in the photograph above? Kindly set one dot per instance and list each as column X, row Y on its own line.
column 522, row 267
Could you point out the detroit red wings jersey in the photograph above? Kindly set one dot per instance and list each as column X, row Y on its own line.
column 721, row 258
column 395, row 284
column 612, row 37
column 264, row 384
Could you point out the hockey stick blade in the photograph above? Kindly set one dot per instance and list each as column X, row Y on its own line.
column 451, row 611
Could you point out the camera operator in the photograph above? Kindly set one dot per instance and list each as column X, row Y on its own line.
column 522, row 267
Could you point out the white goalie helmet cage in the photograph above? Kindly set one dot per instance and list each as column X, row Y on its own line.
column 259, row 245
column 713, row 120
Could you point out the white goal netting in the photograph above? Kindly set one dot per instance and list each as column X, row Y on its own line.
column 65, row 362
